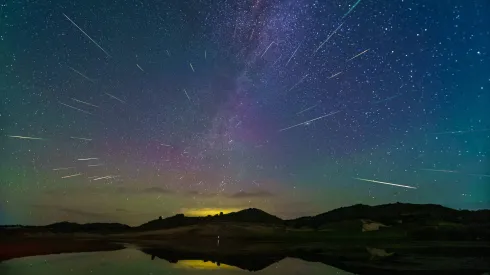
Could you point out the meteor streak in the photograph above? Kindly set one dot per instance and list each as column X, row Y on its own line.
column 387, row 99
column 444, row 171
column 460, row 132
column 480, row 175
column 276, row 60
column 359, row 54
column 187, row 95
column 307, row 109
column 351, row 9
column 267, row 48
column 105, row 177
column 306, row 122
column 84, row 76
column 328, row 38
column 297, row 83
column 334, row 75
column 83, row 102
column 387, row 183
column 63, row 168
column 87, row 159
column 452, row 171
column 120, row 100
column 80, row 138
column 100, row 178
column 87, row 35
column 23, row 137
column 294, row 53
column 75, row 108
column 71, row 176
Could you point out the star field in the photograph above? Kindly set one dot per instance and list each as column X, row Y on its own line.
column 124, row 111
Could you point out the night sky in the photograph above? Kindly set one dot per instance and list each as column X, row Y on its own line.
column 122, row 111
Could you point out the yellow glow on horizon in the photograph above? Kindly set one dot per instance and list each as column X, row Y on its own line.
column 199, row 264
column 203, row 212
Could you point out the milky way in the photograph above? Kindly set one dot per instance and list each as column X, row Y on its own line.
column 138, row 109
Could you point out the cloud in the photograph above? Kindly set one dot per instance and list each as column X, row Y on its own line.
column 82, row 213
column 237, row 195
column 257, row 194
column 71, row 211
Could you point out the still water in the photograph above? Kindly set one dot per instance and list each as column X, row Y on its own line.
column 133, row 261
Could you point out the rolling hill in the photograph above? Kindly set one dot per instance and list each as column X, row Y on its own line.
column 423, row 214
column 251, row 215
column 401, row 220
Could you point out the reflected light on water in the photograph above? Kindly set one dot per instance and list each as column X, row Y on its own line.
column 132, row 261
column 200, row 264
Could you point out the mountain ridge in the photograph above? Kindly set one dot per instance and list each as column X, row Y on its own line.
column 387, row 213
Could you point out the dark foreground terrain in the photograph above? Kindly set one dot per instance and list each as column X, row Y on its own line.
column 401, row 238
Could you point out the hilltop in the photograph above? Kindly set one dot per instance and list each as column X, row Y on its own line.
column 251, row 215
column 399, row 220
column 394, row 213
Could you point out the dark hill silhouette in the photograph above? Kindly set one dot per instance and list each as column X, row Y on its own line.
column 393, row 213
column 417, row 215
column 170, row 222
column 251, row 215
column 7, row 232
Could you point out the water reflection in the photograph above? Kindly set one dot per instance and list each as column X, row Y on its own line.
column 202, row 264
column 133, row 261
column 261, row 258
column 251, row 262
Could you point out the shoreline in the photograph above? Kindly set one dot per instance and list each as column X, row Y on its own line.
column 415, row 257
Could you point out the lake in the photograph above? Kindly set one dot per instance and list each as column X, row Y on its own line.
column 134, row 261
column 194, row 257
